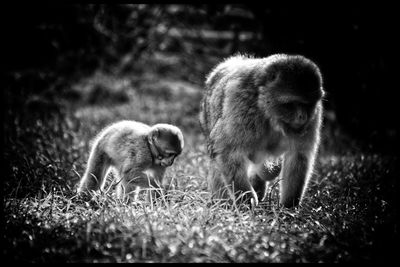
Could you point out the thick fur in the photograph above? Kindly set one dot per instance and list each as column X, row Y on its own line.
column 248, row 138
column 126, row 146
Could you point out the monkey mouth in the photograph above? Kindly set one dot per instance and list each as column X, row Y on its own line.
column 297, row 126
column 291, row 128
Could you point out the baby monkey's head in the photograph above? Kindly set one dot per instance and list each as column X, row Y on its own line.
column 166, row 143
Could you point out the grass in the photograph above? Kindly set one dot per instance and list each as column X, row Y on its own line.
column 349, row 213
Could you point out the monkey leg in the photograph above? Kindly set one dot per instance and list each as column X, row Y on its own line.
column 294, row 178
column 216, row 184
column 96, row 171
column 126, row 191
column 234, row 173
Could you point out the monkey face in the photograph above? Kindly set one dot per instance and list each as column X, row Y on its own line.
column 288, row 110
column 165, row 160
column 290, row 95
column 167, row 143
column 294, row 114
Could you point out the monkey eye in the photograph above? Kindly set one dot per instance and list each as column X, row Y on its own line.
column 167, row 155
column 160, row 157
column 272, row 76
column 288, row 106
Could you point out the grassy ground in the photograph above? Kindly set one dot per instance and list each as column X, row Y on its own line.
column 349, row 213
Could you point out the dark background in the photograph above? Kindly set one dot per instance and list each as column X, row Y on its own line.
column 53, row 45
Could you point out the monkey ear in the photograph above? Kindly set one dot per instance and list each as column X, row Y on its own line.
column 155, row 134
column 272, row 76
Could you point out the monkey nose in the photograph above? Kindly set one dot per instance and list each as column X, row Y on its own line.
column 301, row 119
column 165, row 164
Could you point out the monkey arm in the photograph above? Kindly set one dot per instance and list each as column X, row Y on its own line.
column 132, row 172
column 295, row 175
column 137, row 170
column 156, row 174
column 298, row 164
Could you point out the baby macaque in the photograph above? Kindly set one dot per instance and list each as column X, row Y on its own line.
column 138, row 153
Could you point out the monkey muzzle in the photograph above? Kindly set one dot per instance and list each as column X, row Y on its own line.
column 300, row 119
column 163, row 164
column 167, row 162
column 297, row 124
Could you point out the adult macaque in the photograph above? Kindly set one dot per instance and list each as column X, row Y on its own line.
column 262, row 118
